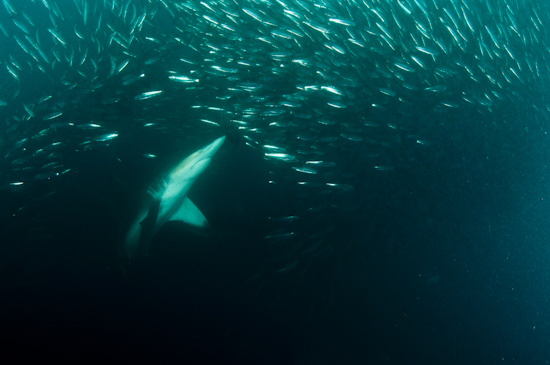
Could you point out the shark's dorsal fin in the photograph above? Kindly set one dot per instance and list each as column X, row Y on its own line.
column 190, row 214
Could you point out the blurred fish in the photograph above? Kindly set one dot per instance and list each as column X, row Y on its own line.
column 168, row 201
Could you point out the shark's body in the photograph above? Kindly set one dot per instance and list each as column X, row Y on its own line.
column 167, row 201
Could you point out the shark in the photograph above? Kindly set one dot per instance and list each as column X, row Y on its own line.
column 166, row 200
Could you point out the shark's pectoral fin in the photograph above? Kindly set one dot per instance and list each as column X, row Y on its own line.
column 148, row 228
column 131, row 241
column 190, row 214
column 140, row 232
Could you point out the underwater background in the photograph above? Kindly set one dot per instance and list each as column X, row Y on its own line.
column 382, row 195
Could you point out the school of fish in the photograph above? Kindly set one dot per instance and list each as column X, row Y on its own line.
column 311, row 85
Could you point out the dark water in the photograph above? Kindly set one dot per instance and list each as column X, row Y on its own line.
column 441, row 256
